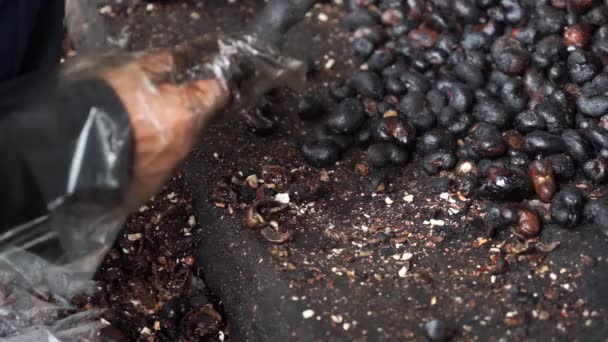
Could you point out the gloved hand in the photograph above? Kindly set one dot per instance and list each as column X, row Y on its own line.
column 111, row 129
column 165, row 116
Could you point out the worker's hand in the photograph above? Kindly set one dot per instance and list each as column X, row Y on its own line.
column 165, row 116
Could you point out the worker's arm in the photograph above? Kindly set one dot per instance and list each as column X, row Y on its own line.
column 113, row 134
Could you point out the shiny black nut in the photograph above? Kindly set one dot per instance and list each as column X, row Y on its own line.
column 380, row 59
column 347, row 117
column 576, row 146
column 481, row 130
column 563, row 166
column 459, row 95
column 469, row 74
column 500, row 216
column 582, row 66
column 596, row 213
column 558, row 73
column 593, row 106
column 460, row 127
column 375, row 34
column 466, row 10
column 363, row 135
column 596, row 170
column 512, row 61
column 412, row 103
column 548, row 51
column 322, row 133
column 457, row 123
column 489, row 146
column 447, row 116
column 554, row 117
column 415, row 81
column 367, row 84
column 529, row 121
column 396, row 130
column 597, row 136
column 436, row 139
column 466, row 152
column 423, row 120
column 486, row 141
column 550, row 19
column 340, row 90
column 505, row 184
column 396, row 69
column 383, row 154
column 394, row 86
column 493, row 112
column 513, row 139
column 436, row 101
column 309, row 108
column 360, row 18
column 518, row 159
column 437, row 161
column 513, row 95
column 377, row 155
column 543, row 143
column 593, row 207
column 362, row 48
column 485, row 165
column 174, row 309
column 397, row 155
column 321, row 153
column 567, row 206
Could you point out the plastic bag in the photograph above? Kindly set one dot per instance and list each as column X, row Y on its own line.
column 85, row 26
column 47, row 261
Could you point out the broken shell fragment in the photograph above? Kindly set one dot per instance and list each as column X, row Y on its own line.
column 275, row 236
column 254, row 219
column 256, row 215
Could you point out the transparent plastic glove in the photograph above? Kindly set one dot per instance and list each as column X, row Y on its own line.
column 253, row 66
column 165, row 117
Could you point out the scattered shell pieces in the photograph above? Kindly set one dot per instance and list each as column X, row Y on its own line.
column 403, row 271
column 282, row 198
column 308, row 313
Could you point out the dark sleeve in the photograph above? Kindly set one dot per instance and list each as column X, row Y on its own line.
column 45, row 43
column 60, row 141
column 31, row 36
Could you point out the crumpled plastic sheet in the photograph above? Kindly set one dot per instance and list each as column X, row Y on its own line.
column 86, row 27
column 46, row 262
column 31, row 307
